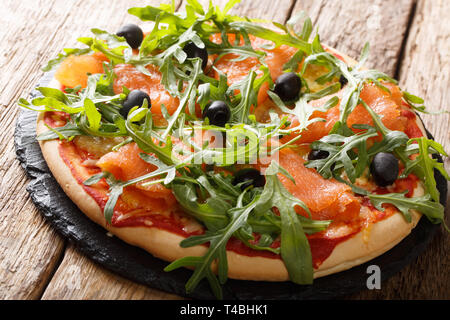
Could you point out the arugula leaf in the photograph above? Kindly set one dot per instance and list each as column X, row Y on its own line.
column 424, row 164
column 341, row 152
column 91, row 112
column 295, row 249
column 144, row 137
column 417, row 103
column 212, row 212
column 216, row 250
column 65, row 132
column 434, row 211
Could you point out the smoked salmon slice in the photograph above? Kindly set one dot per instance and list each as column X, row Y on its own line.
column 126, row 164
column 128, row 76
column 74, row 70
column 327, row 199
column 387, row 105
column 236, row 70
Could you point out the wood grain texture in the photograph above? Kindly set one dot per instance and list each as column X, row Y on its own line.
column 348, row 24
column 425, row 71
column 29, row 248
column 30, row 251
column 34, row 32
column 79, row 278
column 264, row 9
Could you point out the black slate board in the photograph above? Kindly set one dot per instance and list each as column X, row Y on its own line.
column 139, row 266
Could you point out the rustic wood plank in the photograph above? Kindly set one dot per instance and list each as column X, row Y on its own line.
column 425, row 71
column 33, row 32
column 256, row 9
column 29, row 248
column 347, row 24
column 79, row 278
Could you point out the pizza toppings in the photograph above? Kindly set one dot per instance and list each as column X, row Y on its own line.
column 287, row 86
column 384, row 169
column 133, row 35
column 135, row 98
column 217, row 112
column 193, row 51
column 318, row 154
column 343, row 80
column 249, row 177
column 161, row 102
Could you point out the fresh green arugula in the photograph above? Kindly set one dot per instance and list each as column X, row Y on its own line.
column 434, row 211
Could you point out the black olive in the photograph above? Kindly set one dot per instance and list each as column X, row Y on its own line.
column 250, row 177
column 193, row 51
column 343, row 80
column 132, row 33
column 217, row 112
column 318, row 154
column 134, row 98
column 384, row 169
column 287, row 86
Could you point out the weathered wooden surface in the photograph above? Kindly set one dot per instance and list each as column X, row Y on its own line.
column 425, row 70
column 278, row 11
column 34, row 261
column 348, row 25
column 79, row 278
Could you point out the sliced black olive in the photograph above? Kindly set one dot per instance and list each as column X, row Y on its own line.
column 384, row 169
column 133, row 34
column 287, row 86
column 318, row 154
column 217, row 112
column 193, row 51
column 250, row 177
column 134, row 98
column 343, row 80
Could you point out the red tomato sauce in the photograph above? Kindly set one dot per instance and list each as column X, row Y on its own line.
column 412, row 130
column 321, row 248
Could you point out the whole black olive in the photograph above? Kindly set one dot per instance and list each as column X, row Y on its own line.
column 217, row 112
column 287, row 86
column 318, row 154
column 384, row 169
column 343, row 80
column 134, row 98
column 132, row 33
column 250, row 177
column 193, row 51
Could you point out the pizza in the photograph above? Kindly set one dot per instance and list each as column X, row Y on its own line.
column 236, row 148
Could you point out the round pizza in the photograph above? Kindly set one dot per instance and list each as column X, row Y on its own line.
column 236, row 148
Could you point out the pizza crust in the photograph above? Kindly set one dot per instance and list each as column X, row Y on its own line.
column 360, row 248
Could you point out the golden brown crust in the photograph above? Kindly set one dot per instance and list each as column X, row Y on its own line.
column 364, row 246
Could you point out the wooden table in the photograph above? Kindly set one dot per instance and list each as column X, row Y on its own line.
column 410, row 40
